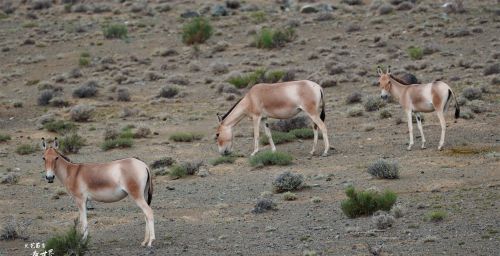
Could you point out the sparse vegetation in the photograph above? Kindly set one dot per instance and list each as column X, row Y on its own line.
column 162, row 162
column 258, row 16
column 472, row 93
column 168, row 91
column 87, row 90
column 303, row 133
column 384, row 170
column 316, row 199
column 286, row 125
column 362, row 203
column 289, row 196
column 383, row 220
column 270, row 158
column 278, row 138
column 123, row 94
column 355, row 111
column 264, row 205
column 60, row 126
column 81, row 113
column 466, row 114
column 71, row 143
column 354, row 97
column 10, row 178
column 274, row 38
column 84, row 59
column 249, row 79
column 45, row 97
column 115, row 31
column 25, row 149
column 373, row 103
column 69, row 243
column 185, row 136
column 4, row 137
column 223, row 160
column 11, row 229
column 288, row 181
column 384, row 113
column 197, row 31
column 177, row 171
column 415, row 53
column 117, row 143
column 436, row 216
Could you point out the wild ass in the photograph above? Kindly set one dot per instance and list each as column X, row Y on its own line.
column 281, row 101
column 103, row 182
column 417, row 98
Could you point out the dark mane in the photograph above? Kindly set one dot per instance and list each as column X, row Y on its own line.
column 63, row 156
column 399, row 80
column 228, row 112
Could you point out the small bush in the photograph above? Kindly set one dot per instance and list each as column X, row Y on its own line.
column 142, row 132
column 362, row 203
column 383, row 220
column 223, row 160
column 71, row 143
column 384, row 170
column 192, row 167
column 123, row 94
column 466, row 114
column 354, row 97
column 115, row 31
column 436, row 216
column 264, row 205
column 415, row 53
column 303, row 133
column 177, row 171
column 168, row 91
column 258, row 16
column 60, row 126
column 81, row 113
column 278, row 138
column 269, row 38
column 373, row 104
column 11, row 229
column 69, row 243
column 4, row 137
column 45, row 97
column 274, row 76
column 270, row 158
column 26, row 149
column 162, row 162
column 197, row 31
column 316, row 200
column 289, row 196
column 288, row 181
column 355, row 111
column 87, row 90
column 10, row 178
column 385, row 114
column 117, row 143
column 84, row 62
column 250, row 79
column 472, row 93
column 185, row 137
column 286, row 125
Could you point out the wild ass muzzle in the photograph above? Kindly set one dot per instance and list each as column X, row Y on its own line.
column 280, row 101
column 102, row 182
column 430, row 97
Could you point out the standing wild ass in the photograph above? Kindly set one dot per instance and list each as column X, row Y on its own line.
column 417, row 98
column 103, row 182
column 281, row 101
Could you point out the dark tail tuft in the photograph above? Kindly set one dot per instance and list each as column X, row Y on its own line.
column 322, row 115
column 150, row 187
column 457, row 107
column 457, row 112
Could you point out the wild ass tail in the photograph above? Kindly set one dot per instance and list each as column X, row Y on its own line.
column 150, row 187
column 457, row 107
column 322, row 115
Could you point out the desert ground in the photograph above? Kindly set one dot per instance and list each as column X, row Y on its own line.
column 338, row 45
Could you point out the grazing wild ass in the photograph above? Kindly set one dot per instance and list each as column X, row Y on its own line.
column 417, row 98
column 103, row 182
column 280, row 101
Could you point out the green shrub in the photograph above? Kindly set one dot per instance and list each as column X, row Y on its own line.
column 71, row 143
column 303, row 133
column 384, row 170
column 250, row 79
column 258, row 16
column 84, row 62
column 270, row 158
column 177, row 171
column 316, row 199
column 278, row 138
column 288, row 181
column 3, row 15
column 415, row 53
column 117, row 143
column 126, row 133
column 185, row 137
column 363, row 203
column 118, row 31
column 274, row 76
column 223, row 160
column 197, row 31
column 69, row 243
column 4, row 137
column 289, row 196
column 60, row 126
column 436, row 216
column 25, row 149
column 373, row 103
column 269, row 38
column 385, row 114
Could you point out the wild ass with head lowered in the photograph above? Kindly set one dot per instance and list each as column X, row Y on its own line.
column 103, row 182
column 281, row 101
column 417, row 98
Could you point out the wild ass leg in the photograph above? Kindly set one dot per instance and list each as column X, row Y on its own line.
column 322, row 127
column 82, row 208
column 256, row 127
column 150, row 230
column 269, row 135
column 410, row 128
column 419, row 124
column 315, row 131
column 443, row 128
column 146, row 233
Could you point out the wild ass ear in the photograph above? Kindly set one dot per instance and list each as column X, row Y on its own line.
column 379, row 71
column 55, row 143
column 43, row 144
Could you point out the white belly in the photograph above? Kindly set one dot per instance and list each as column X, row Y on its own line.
column 107, row 195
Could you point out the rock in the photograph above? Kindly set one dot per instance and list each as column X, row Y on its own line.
column 218, row 10
column 190, row 14
column 461, row 32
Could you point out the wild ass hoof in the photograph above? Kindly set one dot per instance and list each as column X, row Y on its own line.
column 423, row 147
column 409, row 148
column 325, row 154
column 440, row 148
